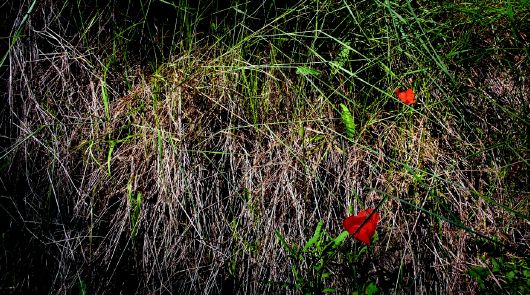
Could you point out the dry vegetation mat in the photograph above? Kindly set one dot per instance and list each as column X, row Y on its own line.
column 263, row 147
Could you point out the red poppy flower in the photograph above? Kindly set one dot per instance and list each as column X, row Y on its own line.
column 367, row 231
column 406, row 96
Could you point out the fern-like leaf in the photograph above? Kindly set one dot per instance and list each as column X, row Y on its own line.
column 347, row 119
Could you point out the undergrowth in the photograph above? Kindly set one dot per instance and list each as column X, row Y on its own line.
column 182, row 146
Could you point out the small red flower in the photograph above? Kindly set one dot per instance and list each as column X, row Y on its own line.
column 367, row 231
column 406, row 96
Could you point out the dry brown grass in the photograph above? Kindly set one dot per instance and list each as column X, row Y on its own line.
column 220, row 171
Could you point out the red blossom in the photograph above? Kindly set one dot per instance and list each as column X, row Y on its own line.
column 406, row 96
column 367, row 231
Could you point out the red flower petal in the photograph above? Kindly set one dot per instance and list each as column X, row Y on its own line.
column 406, row 96
column 367, row 231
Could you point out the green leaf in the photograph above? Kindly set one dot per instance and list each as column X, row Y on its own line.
column 496, row 266
column 301, row 131
column 329, row 290
column 371, row 289
column 82, row 287
column 341, row 59
column 316, row 236
column 363, row 249
column 338, row 240
column 112, row 145
column 306, row 71
column 479, row 273
column 282, row 241
column 315, row 138
column 285, row 245
column 105, row 97
column 347, row 119
column 319, row 265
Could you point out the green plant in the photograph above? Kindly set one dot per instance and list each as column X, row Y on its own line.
column 502, row 274
column 82, row 287
column 347, row 119
column 315, row 255
column 311, row 263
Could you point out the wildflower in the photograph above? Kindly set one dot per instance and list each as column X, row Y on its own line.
column 367, row 231
column 406, row 96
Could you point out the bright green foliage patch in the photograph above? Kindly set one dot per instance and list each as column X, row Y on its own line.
column 347, row 120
